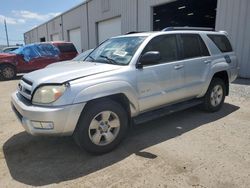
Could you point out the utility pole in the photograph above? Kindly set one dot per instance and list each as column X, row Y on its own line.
column 6, row 31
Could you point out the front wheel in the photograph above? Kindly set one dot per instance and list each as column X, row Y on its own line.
column 101, row 127
column 215, row 96
column 8, row 72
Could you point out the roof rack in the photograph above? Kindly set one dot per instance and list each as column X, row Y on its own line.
column 134, row 32
column 188, row 28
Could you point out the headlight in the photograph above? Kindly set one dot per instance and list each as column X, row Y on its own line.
column 48, row 94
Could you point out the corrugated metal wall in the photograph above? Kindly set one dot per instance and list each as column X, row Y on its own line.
column 145, row 10
column 42, row 32
column 55, row 27
column 77, row 18
column 233, row 16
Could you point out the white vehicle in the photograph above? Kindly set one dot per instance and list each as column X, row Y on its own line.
column 135, row 77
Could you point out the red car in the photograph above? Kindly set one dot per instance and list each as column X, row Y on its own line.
column 34, row 56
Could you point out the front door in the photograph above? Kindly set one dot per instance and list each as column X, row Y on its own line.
column 161, row 83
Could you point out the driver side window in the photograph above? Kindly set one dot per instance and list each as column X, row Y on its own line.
column 29, row 53
column 166, row 45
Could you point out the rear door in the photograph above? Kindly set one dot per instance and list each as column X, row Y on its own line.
column 196, row 59
column 161, row 83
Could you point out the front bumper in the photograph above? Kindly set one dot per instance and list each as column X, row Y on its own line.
column 63, row 118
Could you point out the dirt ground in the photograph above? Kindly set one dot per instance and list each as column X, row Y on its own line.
column 186, row 149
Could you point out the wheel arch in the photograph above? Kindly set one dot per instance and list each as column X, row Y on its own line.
column 224, row 76
column 118, row 91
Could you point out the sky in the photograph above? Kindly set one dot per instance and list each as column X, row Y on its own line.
column 23, row 15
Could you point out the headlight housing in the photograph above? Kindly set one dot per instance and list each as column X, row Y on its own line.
column 48, row 94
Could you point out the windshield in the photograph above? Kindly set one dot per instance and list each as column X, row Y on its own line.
column 17, row 51
column 118, row 51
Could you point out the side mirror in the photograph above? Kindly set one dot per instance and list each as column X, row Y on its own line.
column 149, row 58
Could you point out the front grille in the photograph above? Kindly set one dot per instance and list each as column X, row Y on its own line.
column 27, row 81
column 24, row 88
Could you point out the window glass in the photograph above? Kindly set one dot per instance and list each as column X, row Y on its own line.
column 67, row 47
column 47, row 50
column 221, row 42
column 30, row 53
column 166, row 45
column 191, row 44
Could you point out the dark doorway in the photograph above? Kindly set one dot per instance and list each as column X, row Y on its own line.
column 42, row 39
column 192, row 13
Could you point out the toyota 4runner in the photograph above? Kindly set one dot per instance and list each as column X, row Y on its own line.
column 130, row 78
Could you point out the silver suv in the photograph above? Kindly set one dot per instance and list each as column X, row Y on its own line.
column 130, row 78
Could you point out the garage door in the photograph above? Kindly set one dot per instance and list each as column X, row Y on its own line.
column 55, row 37
column 109, row 28
column 75, row 38
column 192, row 13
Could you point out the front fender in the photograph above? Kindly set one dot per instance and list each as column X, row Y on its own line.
column 107, row 89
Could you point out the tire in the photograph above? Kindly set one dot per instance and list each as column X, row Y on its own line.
column 8, row 72
column 101, row 126
column 215, row 96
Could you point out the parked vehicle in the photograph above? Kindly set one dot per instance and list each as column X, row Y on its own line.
column 130, row 78
column 81, row 57
column 33, row 57
column 9, row 49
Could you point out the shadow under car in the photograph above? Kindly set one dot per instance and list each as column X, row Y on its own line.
column 39, row 161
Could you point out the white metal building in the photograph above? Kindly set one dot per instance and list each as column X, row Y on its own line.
column 93, row 21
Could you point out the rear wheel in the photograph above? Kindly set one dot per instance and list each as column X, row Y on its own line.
column 8, row 72
column 215, row 95
column 101, row 127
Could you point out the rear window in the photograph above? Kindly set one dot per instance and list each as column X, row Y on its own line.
column 193, row 46
column 66, row 47
column 222, row 42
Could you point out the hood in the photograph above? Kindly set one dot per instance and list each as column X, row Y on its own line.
column 61, row 63
column 6, row 55
column 68, row 71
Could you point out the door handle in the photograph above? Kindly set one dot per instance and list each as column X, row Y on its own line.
column 176, row 67
column 207, row 61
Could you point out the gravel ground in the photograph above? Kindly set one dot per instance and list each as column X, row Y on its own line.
column 186, row 149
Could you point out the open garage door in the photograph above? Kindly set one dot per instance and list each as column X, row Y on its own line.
column 75, row 38
column 109, row 28
column 192, row 13
column 55, row 37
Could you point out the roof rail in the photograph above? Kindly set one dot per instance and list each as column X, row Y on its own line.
column 188, row 28
column 134, row 32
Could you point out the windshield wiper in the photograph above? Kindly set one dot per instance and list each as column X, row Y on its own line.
column 111, row 61
column 93, row 59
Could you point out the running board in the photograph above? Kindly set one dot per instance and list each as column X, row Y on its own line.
column 151, row 115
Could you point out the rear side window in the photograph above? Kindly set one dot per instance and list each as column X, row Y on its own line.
column 66, row 48
column 222, row 42
column 47, row 50
column 166, row 45
column 193, row 46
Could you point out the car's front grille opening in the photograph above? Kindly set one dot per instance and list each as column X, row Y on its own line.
column 27, row 81
column 25, row 87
